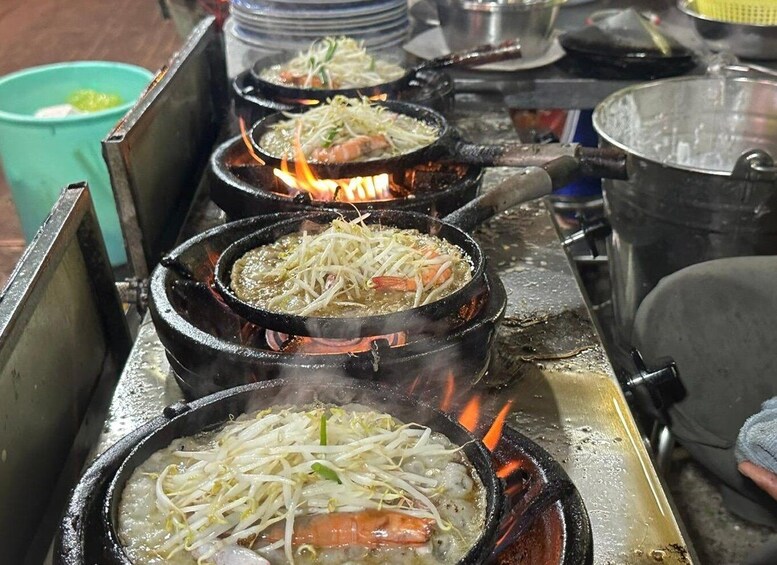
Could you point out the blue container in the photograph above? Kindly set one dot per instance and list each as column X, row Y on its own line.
column 41, row 155
column 584, row 134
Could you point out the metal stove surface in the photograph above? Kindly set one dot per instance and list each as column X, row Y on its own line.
column 549, row 360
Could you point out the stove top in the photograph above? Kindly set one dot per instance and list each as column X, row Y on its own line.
column 547, row 359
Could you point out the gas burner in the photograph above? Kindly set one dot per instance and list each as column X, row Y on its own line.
column 282, row 342
column 537, row 516
column 211, row 348
column 430, row 88
column 242, row 187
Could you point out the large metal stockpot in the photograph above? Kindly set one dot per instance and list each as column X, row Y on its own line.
column 701, row 180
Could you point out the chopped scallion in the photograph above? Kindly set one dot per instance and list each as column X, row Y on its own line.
column 325, row 473
column 322, row 433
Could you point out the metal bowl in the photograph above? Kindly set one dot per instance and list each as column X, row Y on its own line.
column 749, row 41
column 468, row 23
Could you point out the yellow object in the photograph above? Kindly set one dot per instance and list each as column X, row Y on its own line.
column 88, row 100
column 757, row 12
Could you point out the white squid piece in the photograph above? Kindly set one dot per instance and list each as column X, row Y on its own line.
column 230, row 555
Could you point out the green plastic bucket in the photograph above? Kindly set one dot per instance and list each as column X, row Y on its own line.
column 41, row 155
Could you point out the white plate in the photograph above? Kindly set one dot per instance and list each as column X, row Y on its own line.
column 273, row 44
column 376, row 33
column 431, row 44
column 338, row 25
column 294, row 11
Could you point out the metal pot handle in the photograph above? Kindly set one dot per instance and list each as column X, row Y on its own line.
column 722, row 64
column 755, row 165
column 748, row 68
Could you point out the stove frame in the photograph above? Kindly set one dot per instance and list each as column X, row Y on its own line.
column 61, row 294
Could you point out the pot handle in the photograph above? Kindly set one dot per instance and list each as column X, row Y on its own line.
column 510, row 49
column 607, row 162
column 511, row 154
column 755, row 165
column 527, row 185
column 722, row 64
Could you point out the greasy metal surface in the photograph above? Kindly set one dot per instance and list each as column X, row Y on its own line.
column 550, row 363
column 62, row 334
column 154, row 153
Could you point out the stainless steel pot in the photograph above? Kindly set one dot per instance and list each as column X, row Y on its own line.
column 469, row 23
column 701, row 181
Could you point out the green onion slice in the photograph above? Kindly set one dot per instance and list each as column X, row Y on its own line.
column 325, row 473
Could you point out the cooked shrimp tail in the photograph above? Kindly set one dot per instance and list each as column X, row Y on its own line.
column 431, row 275
column 351, row 150
column 368, row 528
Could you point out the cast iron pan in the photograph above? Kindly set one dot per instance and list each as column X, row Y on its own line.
column 527, row 185
column 478, row 56
column 448, row 146
column 215, row 410
column 594, row 53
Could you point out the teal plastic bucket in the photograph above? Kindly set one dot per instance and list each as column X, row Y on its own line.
column 41, row 155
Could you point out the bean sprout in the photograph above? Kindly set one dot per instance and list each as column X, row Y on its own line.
column 350, row 265
column 260, row 470
column 333, row 63
column 331, row 125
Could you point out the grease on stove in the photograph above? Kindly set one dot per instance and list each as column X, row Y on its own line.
column 559, row 337
column 145, row 386
column 485, row 127
column 672, row 553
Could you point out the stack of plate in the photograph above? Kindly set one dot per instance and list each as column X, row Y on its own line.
column 283, row 25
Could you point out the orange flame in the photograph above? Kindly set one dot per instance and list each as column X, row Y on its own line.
column 314, row 102
column 249, row 146
column 445, row 405
column 279, row 341
column 470, row 416
column 508, row 469
column 213, row 256
column 357, row 189
column 491, row 439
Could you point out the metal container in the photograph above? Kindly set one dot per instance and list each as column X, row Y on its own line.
column 468, row 23
column 696, row 189
column 749, row 41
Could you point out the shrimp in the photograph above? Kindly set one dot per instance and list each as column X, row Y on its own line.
column 368, row 528
column 350, row 150
column 433, row 274
column 299, row 80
